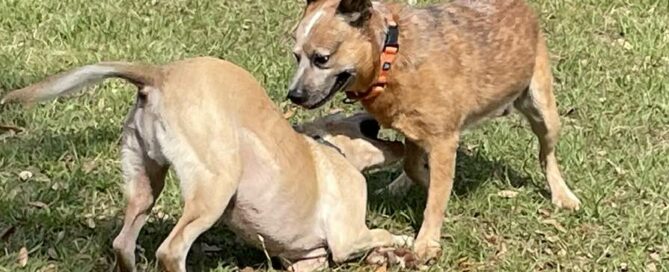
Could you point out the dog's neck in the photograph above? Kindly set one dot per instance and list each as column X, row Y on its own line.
column 377, row 29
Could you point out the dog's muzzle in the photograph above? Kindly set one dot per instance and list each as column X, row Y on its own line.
column 298, row 96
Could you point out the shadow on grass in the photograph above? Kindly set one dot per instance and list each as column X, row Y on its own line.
column 472, row 171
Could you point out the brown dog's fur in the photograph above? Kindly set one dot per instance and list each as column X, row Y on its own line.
column 458, row 63
column 237, row 159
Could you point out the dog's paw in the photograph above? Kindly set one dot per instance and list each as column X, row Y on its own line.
column 398, row 257
column 566, row 200
column 427, row 250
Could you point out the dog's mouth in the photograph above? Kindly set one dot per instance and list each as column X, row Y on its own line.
column 341, row 82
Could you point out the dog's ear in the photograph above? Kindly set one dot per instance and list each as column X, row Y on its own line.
column 356, row 12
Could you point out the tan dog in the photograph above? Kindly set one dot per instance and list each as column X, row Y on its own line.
column 458, row 63
column 237, row 158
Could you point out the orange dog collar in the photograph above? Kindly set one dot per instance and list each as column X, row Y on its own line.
column 391, row 47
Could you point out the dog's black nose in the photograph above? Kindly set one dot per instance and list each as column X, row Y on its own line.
column 297, row 96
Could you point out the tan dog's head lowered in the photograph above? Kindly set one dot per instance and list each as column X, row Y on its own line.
column 356, row 137
column 333, row 50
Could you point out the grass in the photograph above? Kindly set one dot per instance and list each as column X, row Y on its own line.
column 610, row 60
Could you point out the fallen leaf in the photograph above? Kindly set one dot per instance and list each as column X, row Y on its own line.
column 5, row 234
column 60, row 236
column 23, row 257
column 555, row 224
column 52, row 253
column 90, row 223
column 507, row 194
column 38, row 204
column 25, row 175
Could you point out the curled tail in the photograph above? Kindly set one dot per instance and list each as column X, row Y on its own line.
column 74, row 80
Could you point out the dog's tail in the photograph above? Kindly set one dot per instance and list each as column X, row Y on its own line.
column 74, row 80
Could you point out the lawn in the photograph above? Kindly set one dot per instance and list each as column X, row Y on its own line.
column 611, row 62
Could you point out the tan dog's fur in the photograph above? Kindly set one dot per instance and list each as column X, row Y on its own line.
column 236, row 158
column 459, row 63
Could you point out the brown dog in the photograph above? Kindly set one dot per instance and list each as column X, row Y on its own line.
column 237, row 158
column 458, row 63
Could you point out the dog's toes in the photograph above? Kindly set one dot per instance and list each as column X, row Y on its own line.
column 566, row 200
column 427, row 250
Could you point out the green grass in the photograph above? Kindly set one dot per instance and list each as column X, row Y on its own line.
column 610, row 59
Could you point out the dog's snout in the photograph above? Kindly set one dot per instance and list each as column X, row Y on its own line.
column 297, row 96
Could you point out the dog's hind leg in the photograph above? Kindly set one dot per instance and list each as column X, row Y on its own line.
column 362, row 241
column 145, row 179
column 347, row 234
column 538, row 106
column 206, row 196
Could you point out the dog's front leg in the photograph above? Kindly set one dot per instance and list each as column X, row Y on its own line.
column 441, row 156
column 206, row 194
column 347, row 234
column 205, row 199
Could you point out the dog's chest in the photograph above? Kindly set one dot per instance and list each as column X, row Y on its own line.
column 268, row 210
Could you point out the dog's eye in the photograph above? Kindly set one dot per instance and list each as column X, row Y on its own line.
column 297, row 57
column 321, row 60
